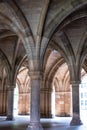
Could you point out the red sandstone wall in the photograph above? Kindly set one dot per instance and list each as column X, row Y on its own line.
column 63, row 104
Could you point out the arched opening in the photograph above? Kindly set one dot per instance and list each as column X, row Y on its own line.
column 23, row 81
column 16, row 99
column 53, row 102
column 83, row 96
column 58, row 93
column 63, row 100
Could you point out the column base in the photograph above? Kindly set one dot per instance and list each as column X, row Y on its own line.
column 75, row 121
column 34, row 126
column 46, row 116
column 10, row 118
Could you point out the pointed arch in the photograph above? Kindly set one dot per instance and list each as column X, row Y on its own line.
column 6, row 64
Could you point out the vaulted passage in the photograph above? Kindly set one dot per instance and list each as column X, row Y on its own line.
column 43, row 63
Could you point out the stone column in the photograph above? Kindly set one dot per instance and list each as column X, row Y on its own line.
column 75, row 104
column 10, row 95
column 35, row 102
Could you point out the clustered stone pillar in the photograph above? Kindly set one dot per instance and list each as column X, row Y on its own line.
column 35, row 102
column 10, row 98
column 75, row 104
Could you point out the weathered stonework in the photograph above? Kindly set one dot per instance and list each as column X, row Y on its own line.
column 49, row 39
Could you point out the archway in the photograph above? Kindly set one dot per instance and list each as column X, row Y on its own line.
column 63, row 97
column 57, row 95
column 53, row 102
column 16, row 99
column 83, row 96
column 23, row 81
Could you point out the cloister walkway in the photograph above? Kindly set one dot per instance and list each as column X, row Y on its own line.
column 58, row 123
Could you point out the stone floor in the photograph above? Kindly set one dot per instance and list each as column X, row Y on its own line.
column 59, row 123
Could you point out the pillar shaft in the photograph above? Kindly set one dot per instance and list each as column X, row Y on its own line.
column 76, row 107
column 10, row 104
column 35, row 100
column 35, row 104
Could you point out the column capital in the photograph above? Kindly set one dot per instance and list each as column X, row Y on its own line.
column 75, row 83
column 10, row 87
column 35, row 74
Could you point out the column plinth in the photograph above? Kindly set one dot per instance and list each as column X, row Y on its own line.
column 10, row 117
column 34, row 126
column 75, row 120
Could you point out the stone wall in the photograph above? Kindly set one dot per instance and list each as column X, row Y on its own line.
column 24, row 104
column 3, row 102
column 63, row 104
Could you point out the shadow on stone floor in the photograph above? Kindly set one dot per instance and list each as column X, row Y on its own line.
column 21, row 123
